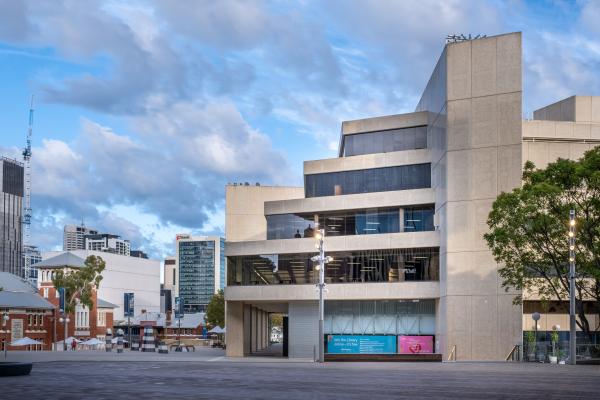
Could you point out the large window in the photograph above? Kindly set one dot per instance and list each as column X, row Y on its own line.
column 402, row 177
column 390, row 265
column 386, row 141
column 351, row 222
column 380, row 317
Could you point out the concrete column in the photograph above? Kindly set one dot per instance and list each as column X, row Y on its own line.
column 247, row 328
column 234, row 318
column 253, row 330
column 267, row 335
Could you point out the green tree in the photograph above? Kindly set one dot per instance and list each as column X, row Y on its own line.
column 529, row 226
column 79, row 284
column 215, row 312
column 277, row 320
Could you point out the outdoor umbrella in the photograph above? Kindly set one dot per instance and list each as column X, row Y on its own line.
column 217, row 329
column 93, row 342
column 25, row 342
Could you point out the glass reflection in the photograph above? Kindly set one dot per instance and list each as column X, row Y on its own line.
column 390, row 265
column 385, row 141
column 353, row 222
column 373, row 180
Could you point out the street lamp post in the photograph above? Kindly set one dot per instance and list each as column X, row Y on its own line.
column 322, row 260
column 5, row 319
column 535, row 317
column 65, row 320
column 572, row 318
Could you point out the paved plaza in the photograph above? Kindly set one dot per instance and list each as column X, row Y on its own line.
column 207, row 374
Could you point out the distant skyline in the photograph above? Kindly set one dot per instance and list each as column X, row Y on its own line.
column 145, row 110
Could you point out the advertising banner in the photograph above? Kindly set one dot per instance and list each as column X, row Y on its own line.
column 179, row 306
column 61, row 299
column 359, row 344
column 415, row 344
column 128, row 305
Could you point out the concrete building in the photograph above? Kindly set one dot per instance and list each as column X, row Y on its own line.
column 122, row 275
column 169, row 287
column 200, row 266
column 11, row 208
column 74, row 236
column 107, row 243
column 404, row 208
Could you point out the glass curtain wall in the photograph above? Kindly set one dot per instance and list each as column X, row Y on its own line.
column 390, row 265
column 356, row 222
column 373, row 180
column 196, row 274
column 380, row 317
column 385, row 141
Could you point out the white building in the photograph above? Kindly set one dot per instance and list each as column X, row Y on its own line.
column 74, row 236
column 108, row 243
column 122, row 275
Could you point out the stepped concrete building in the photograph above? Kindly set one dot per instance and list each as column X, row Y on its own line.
column 404, row 209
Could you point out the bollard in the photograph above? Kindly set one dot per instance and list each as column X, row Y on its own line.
column 148, row 341
column 162, row 348
column 108, row 339
column 120, row 341
column 135, row 345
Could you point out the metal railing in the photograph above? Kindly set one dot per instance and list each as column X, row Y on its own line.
column 515, row 353
column 541, row 351
column 452, row 356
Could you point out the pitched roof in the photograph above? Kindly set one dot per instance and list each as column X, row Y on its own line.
column 189, row 321
column 105, row 304
column 23, row 300
column 18, row 293
column 13, row 283
column 66, row 259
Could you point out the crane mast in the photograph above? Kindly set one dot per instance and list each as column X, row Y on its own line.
column 27, row 250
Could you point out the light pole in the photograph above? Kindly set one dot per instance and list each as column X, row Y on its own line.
column 65, row 320
column 5, row 319
column 322, row 260
column 572, row 320
column 535, row 317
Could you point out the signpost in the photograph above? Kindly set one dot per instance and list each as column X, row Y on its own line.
column 128, row 306
column 61, row 307
column 179, row 303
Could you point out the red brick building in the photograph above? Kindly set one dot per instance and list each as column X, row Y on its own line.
column 84, row 323
column 24, row 313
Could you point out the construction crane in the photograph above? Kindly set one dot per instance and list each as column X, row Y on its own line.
column 27, row 248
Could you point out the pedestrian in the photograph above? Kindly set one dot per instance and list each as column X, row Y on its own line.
column 73, row 345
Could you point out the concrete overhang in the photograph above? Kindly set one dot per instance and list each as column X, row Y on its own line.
column 338, row 291
column 402, row 240
column 368, row 161
column 352, row 201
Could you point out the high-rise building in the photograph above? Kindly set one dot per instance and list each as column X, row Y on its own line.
column 74, row 236
column 11, row 219
column 200, row 264
column 171, row 278
column 108, row 243
column 35, row 256
column 404, row 209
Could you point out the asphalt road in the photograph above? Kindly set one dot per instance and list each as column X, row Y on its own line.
column 224, row 379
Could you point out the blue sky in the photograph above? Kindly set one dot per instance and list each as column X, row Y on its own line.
column 145, row 110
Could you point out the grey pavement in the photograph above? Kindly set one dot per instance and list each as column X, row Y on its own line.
column 208, row 375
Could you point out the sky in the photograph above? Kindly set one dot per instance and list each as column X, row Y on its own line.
column 145, row 110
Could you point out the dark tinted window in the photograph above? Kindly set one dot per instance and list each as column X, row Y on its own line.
column 386, row 141
column 368, row 180
column 391, row 265
column 12, row 178
column 351, row 222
